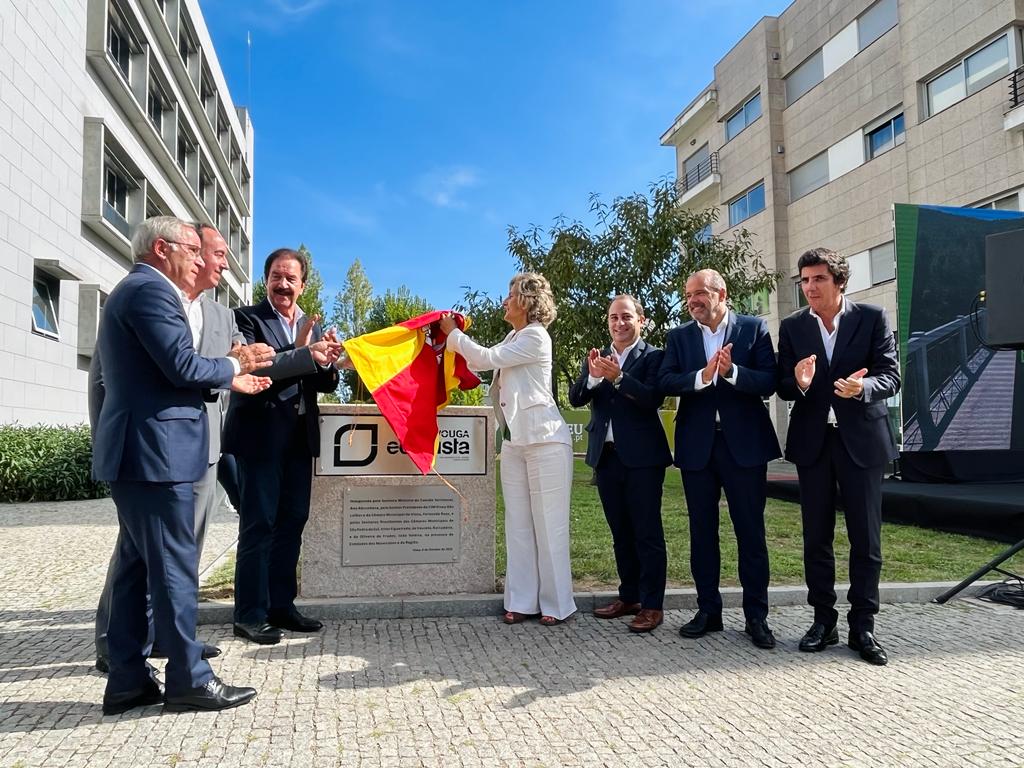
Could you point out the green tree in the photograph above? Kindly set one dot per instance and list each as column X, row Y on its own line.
column 311, row 300
column 642, row 244
column 395, row 307
column 352, row 305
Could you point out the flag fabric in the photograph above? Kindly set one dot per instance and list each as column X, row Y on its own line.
column 411, row 379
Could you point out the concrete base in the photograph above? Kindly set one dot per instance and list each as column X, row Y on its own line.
column 461, row 606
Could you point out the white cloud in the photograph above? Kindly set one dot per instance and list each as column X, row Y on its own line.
column 442, row 187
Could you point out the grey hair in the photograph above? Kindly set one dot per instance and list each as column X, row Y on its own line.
column 156, row 228
column 712, row 278
column 535, row 297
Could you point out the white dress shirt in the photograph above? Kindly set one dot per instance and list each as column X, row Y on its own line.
column 192, row 309
column 829, row 342
column 593, row 381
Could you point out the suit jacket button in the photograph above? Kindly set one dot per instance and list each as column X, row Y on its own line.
column 296, row 406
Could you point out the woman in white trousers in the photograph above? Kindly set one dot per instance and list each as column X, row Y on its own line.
column 536, row 454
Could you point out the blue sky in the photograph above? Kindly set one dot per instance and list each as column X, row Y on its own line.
column 411, row 133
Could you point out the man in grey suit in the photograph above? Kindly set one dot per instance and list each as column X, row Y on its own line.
column 214, row 326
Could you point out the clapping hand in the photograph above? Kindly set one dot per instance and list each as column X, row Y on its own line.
column 252, row 357
column 305, row 331
column 804, row 372
column 603, row 367
column 248, row 384
column 708, row 373
column 852, row 385
column 725, row 361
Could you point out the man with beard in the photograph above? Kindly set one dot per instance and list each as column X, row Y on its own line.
column 721, row 364
column 215, row 333
column 274, row 437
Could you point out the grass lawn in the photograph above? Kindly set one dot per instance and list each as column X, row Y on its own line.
column 908, row 553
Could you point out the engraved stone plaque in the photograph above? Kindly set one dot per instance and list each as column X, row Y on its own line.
column 399, row 525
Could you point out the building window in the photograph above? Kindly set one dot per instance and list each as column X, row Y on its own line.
column 117, row 183
column 119, row 46
column 756, row 305
column 1005, row 203
column 744, row 116
column 885, row 137
column 156, row 105
column 186, row 148
column 876, row 21
column 799, row 300
column 966, row 77
column 746, row 205
column 872, row 267
column 805, row 77
column 186, row 44
column 45, row 300
column 808, row 177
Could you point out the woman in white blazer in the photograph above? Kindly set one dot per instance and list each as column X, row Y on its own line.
column 536, row 454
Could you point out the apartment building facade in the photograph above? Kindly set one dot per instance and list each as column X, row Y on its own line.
column 818, row 120
column 111, row 111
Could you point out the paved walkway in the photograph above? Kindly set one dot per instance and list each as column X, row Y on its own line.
column 453, row 692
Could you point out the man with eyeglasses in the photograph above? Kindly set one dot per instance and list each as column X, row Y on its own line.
column 721, row 364
column 150, row 443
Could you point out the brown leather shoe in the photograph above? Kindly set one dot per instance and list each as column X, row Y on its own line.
column 646, row 620
column 513, row 617
column 617, row 608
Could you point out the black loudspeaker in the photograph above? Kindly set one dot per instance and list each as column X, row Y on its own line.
column 1004, row 289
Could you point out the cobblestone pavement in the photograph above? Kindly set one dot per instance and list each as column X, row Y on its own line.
column 475, row 692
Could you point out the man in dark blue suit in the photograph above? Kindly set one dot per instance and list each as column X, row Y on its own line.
column 151, row 445
column 837, row 363
column 627, row 448
column 721, row 365
column 274, row 437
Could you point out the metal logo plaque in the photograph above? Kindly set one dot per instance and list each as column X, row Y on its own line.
column 366, row 445
column 400, row 525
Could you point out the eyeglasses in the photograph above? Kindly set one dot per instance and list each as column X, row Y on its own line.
column 193, row 249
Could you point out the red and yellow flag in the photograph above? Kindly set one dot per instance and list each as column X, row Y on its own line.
column 410, row 380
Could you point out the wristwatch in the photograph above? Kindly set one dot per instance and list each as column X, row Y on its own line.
column 618, row 380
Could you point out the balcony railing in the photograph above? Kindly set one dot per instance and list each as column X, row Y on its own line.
column 696, row 175
column 1016, row 83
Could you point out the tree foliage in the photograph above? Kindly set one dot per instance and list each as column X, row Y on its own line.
column 642, row 244
column 311, row 300
column 352, row 305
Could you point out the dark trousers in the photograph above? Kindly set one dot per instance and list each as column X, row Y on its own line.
column 861, row 490
column 745, row 489
column 227, row 476
column 275, row 506
column 631, row 497
column 201, row 490
column 156, row 554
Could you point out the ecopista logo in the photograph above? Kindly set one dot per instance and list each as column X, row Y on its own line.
column 341, row 442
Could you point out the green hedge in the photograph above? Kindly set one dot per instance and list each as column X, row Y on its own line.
column 47, row 464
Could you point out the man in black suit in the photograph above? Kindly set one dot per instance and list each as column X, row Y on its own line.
column 627, row 448
column 722, row 365
column 274, row 437
column 839, row 433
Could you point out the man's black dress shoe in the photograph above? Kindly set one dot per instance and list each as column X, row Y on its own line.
column 760, row 633
column 867, row 646
column 147, row 695
column 209, row 652
column 819, row 637
column 294, row 621
column 212, row 696
column 102, row 664
column 701, row 624
column 264, row 634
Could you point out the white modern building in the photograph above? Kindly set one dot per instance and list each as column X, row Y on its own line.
column 111, row 111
